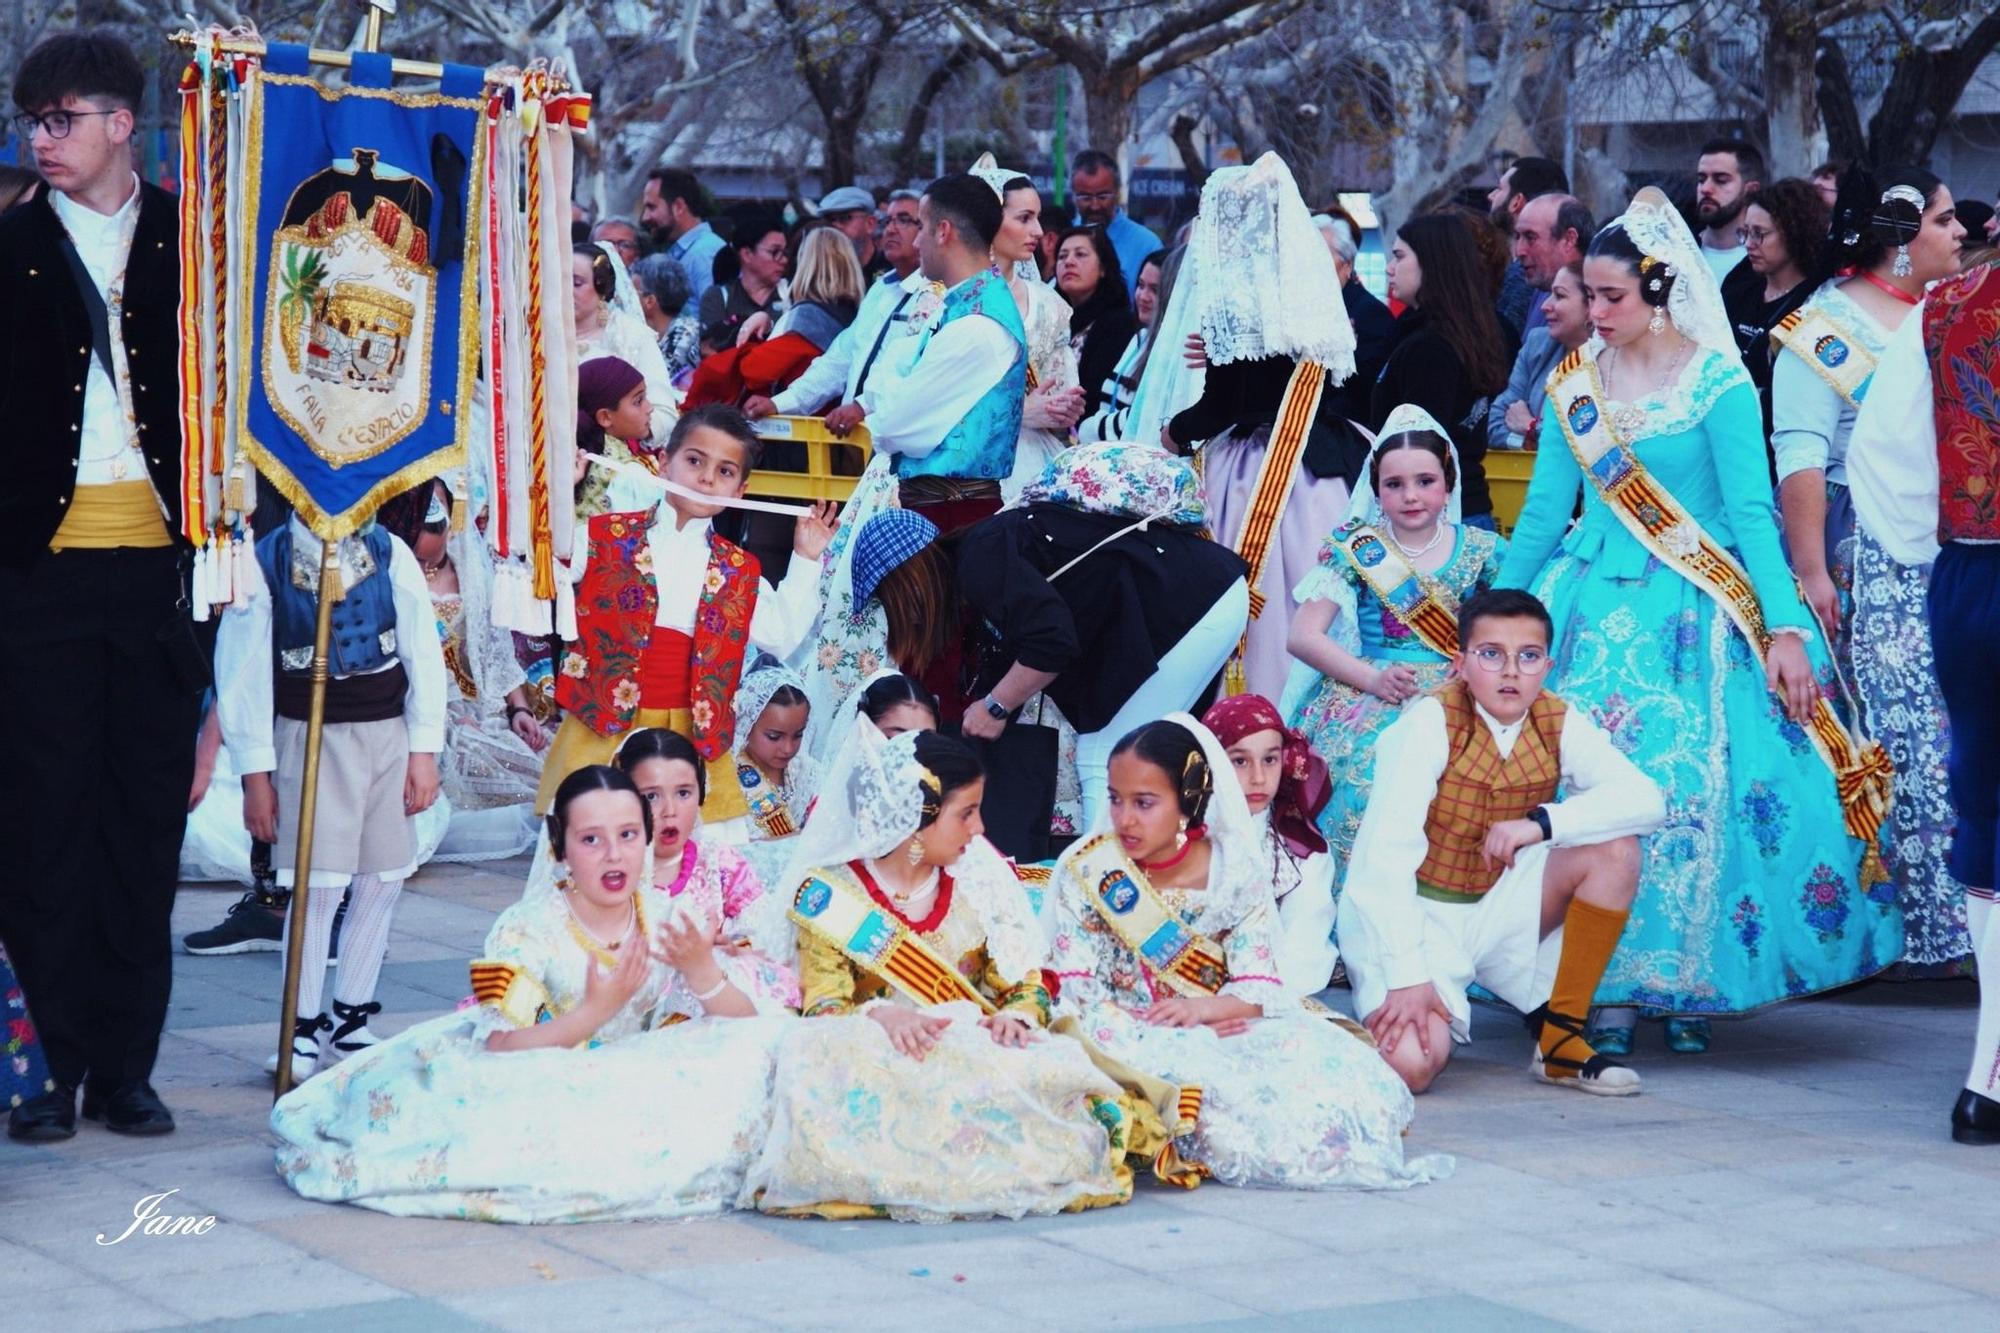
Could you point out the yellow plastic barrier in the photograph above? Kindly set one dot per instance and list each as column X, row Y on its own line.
column 1507, row 473
column 818, row 481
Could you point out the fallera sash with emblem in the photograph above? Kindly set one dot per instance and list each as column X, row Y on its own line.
column 1833, row 351
column 1422, row 604
column 1862, row 772
column 767, row 809
column 869, row 936
column 1184, row 962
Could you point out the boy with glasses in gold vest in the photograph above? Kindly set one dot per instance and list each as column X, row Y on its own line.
column 1500, row 883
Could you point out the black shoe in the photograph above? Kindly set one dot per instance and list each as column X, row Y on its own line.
column 350, row 1033
column 48, row 1118
column 130, row 1108
column 1975, row 1119
column 256, row 923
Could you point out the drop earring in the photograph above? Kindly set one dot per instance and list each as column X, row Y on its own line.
column 916, row 852
column 1180, row 838
column 1903, row 267
column 1657, row 325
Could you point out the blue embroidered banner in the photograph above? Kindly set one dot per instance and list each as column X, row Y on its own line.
column 363, row 285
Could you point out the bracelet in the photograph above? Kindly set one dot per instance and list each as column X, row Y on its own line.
column 513, row 709
column 706, row 995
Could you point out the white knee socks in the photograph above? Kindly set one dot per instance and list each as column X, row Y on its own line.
column 1982, row 919
column 364, row 938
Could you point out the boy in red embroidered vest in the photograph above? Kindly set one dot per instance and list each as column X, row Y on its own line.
column 1500, row 883
column 666, row 609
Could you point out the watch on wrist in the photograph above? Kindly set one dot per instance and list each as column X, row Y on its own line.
column 995, row 709
column 1540, row 814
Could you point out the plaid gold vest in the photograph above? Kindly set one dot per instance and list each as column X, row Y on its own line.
column 1479, row 788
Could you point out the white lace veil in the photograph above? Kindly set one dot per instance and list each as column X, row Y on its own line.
column 1237, row 871
column 1261, row 280
column 869, row 803
column 624, row 295
column 1695, row 303
column 849, row 644
column 753, row 696
column 997, row 177
column 1366, row 507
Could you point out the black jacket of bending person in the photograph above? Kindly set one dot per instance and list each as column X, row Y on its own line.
column 1244, row 395
column 1423, row 371
column 1111, row 618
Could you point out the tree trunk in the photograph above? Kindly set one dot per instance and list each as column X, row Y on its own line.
column 1793, row 134
column 909, row 159
column 840, row 151
column 1846, row 142
column 1108, row 98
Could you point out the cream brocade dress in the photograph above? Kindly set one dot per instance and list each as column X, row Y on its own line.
column 657, row 1116
column 1294, row 1102
column 975, row 1129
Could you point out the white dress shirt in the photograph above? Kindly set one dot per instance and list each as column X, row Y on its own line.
column 680, row 571
column 1608, row 797
column 1892, row 455
column 110, row 445
column 911, row 414
column 895, row 311
column 244, row 660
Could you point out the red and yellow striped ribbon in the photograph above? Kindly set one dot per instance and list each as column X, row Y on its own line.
column 1279, row 471
column 194, row 520
column 542, row 537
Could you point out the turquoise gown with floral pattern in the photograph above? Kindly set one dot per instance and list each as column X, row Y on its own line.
column 1341, row 722
column 1750, row 892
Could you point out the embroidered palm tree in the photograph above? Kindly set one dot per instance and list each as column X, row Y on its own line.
column 300, row 276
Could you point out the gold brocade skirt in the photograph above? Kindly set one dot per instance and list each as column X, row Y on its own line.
column 577, row 746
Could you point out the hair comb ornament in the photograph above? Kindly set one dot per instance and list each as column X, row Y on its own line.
column 1899, row 215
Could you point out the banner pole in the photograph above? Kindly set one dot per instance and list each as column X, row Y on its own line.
column 329, row 593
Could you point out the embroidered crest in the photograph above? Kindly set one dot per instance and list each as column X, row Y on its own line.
column 1831, row 351
column 1583, row 414
column 1118, row 891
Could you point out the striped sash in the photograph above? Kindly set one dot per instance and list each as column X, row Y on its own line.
column 1422, row 604
column 841, row 913
column 1832, row 350
column 1862, row 772
column 1184, row 962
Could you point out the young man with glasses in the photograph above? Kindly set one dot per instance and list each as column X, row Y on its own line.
column 1500, row 884
column 95, row 633
column 1094, row 185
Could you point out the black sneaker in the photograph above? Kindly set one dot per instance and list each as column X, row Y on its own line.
column 255, row 924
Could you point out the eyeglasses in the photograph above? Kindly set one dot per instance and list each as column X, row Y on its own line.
column 771, row 253
column 1757, row 234
column 56, row 123
column 1095, row 196
column 907, row 221
column 1528, row 661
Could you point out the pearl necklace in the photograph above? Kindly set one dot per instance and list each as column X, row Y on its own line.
column 1418, row 553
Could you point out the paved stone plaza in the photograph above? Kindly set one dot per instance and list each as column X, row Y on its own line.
column 1800, row 1177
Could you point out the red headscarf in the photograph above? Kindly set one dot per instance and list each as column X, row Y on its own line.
column 1304, row 787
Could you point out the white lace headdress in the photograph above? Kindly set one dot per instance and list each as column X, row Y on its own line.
column 753, row 696
column 624, row 295
column 870, row 803
column 997, row 177
column 1367, row 506
column 1695, row 302
column 1262, row 281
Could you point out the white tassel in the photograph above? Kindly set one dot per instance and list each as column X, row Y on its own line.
column 198, row 591
column 223, row 570
column 565, row 609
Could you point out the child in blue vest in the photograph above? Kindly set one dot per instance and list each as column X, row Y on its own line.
column 384, row 727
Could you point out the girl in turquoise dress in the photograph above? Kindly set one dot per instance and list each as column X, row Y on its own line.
column 1752, row 891
column 1358, row 658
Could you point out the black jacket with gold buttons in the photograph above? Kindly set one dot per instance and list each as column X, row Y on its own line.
column 45, row 357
